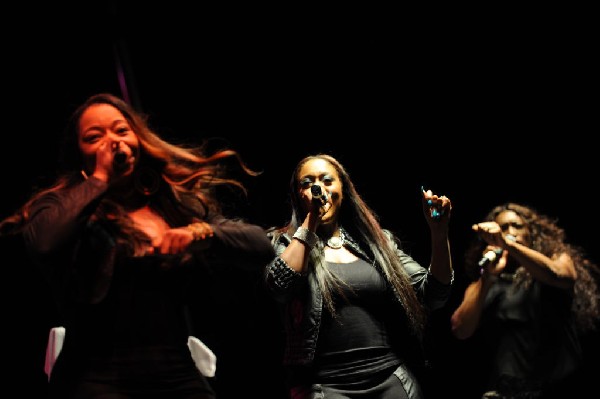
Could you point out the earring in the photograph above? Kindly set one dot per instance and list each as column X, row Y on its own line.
column 147, row 181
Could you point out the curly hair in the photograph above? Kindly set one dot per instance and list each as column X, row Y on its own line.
column 548, row 238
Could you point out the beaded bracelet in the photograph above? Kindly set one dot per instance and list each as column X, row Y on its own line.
column 306, row 236
column 200, row 230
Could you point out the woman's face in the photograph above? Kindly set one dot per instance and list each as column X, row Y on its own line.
column 320, row 172
column 104, row 125
column 511, row 223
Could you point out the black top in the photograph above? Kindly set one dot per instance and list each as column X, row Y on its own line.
column 126, row 317
column 530, row 334
column 355, row 344
column 135, row 340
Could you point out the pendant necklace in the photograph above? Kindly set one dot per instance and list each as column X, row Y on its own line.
column 335, row 242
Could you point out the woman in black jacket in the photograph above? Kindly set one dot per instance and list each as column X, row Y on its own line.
column 354, row 303
column 123, row 235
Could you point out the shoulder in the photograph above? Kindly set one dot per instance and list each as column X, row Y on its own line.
column 392, row 239
column 389, row 234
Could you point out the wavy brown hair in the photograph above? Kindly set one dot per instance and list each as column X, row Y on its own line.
column 548, row 238
column 187, row 176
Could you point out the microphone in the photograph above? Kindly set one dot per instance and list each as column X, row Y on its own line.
column 492, row 254
column 318, row 194
column 489, row 256
column 120, row 159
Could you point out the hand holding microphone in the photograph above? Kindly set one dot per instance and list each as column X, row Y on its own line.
column 491, row 255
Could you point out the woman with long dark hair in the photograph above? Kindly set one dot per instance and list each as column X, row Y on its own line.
column 129, row 227
column 354, row 304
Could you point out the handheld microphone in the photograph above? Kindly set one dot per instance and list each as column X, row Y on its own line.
column 492, row 254
column 120, row 158
column 489, row 256
column 318, row 194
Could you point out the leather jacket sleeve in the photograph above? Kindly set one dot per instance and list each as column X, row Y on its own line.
column 57, row 218
column 429, row 290
column 74, row 250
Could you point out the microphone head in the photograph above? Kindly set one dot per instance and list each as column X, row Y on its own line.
column 120, row 159
column 318, row 194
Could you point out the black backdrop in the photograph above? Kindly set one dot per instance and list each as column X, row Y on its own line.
column 483, row 115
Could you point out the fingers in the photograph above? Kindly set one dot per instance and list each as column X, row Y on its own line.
column 438, row 206
column 487, row 227
column 490, row 232
column 175, row 241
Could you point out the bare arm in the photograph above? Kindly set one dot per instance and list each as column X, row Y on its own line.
column 437, row 211
column 557, row 271
column 465, row 319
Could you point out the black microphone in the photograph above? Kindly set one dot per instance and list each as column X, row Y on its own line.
column 318, row 194
column 120, row 159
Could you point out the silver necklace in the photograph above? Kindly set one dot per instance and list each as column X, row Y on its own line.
column 336, row 242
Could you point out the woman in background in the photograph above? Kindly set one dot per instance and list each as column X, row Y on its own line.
column 531, row 297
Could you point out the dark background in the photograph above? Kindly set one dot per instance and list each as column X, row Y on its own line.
column 483, row 110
